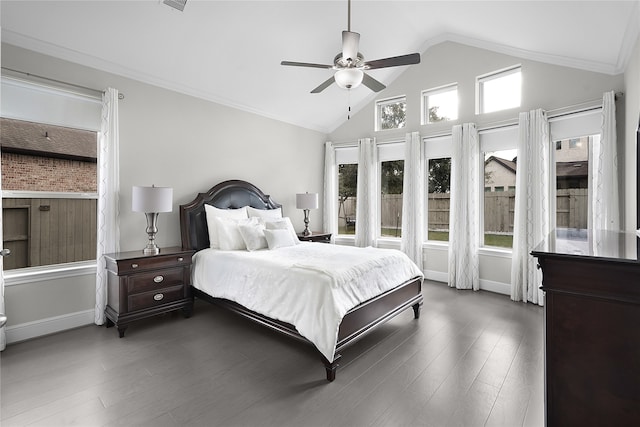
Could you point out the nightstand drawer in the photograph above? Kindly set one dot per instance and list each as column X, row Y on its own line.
column 155, row 280
column 153, row 298
column 127, row 266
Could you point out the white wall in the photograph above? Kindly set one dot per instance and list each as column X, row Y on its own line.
column 632, row 115
column 170, row 139
column 544, row 86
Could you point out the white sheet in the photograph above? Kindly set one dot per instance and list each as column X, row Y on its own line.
column 311, row 285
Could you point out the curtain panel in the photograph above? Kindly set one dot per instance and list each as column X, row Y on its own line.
column 532, row 216
column 366, row 193
column 329, row 217
column 463, row 215
column 108, row 235
column 605, row 205
column 413, row 199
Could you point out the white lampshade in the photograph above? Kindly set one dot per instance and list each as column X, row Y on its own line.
column 152, row 199
column 307, row 201
column 348, row 78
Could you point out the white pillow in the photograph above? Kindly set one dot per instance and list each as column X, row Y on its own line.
column 253, row 234
column 278, row 238
column 265, row 213
column 229, row 237
column 212, row 212
column 282, row 224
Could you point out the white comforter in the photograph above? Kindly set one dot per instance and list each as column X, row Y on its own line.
column 310, row 285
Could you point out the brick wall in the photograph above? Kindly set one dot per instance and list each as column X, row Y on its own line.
column 32, row 173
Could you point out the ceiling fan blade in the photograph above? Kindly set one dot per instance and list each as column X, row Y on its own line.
column 350, row 42
column 372, row 83
column 305, row 64
column 324, row 85
column 395, row 61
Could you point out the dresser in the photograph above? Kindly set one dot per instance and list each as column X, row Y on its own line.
column 140, row 286
column 592, row 328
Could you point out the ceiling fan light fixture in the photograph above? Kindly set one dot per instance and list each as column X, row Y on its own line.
column 348, row 78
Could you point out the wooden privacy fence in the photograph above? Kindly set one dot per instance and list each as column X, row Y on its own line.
column 48, row 231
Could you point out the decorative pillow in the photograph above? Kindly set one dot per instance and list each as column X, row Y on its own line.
column 253, row 234
column 212, row 212
column 265, row 213
column 282, row 224
column 278, row 238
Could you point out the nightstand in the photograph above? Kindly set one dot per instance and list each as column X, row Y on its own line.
column 315, row 237
column 141, row 286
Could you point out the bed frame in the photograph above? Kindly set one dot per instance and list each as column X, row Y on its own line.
column 356, row 323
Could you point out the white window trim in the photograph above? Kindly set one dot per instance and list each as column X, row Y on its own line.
column 435, row 147
column 11, row 194
column 382, row 102
column 424, row 96
column 388, row 151
column 492, row 76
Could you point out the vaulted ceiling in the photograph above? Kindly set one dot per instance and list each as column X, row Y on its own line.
column 230, row 51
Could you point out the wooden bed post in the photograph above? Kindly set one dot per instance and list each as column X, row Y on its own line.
column 331, row 367
column 416, row 310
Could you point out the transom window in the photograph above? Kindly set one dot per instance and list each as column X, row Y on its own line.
column 499, row 90
column 391, row 113
column 440, row 104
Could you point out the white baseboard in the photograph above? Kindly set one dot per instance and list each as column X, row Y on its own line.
column 485, row 285
column 38, row 328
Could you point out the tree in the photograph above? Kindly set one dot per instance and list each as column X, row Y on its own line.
column 392, row 176
column 434, row 117
column 440, row 175
column 393, row 116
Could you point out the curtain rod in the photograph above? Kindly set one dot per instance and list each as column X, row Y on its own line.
column 120, row 95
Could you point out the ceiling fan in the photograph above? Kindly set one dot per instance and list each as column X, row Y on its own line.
column 350, row 65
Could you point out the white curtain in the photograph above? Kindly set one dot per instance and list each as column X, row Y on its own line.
column 413, row 199
column 605, row 206
column 3, row 337
column 366, row 193
column 108, row 193
column 463, row 215
column 329, row 216
column 532, row 205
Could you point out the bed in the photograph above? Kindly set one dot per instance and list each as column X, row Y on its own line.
column 390, row 297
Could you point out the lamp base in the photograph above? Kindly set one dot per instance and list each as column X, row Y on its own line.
column 306, row 231
column 151, row 250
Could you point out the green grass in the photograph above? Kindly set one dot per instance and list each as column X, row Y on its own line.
column 496, row 240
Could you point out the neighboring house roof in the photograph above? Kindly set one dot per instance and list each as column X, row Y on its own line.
column 508, row 164
column 37, row 139
column 575, row 169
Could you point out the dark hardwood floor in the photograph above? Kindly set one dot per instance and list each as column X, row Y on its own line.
column 472, row 359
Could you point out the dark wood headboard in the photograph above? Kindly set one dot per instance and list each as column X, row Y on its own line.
column 231, row 194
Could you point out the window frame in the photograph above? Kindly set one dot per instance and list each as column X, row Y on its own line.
column 494, row 75
column 492, row 140
column 388, row 101
column 434, row 147
column 424, row 104
column 348, row 156
column 387, row 152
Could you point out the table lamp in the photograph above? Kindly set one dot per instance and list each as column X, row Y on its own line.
column 151, row 201
column 306, row 201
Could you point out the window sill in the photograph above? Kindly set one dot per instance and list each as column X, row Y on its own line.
column 495, row 252
column 48, row 272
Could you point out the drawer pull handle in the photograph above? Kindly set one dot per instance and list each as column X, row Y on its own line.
column 158, row 279
column 134, row 265
column 180, row 259
column 158, row 297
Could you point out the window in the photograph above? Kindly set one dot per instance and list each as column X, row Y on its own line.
column 49, row 184
column 347, row 165
column 438, row 162
column 498, row 91
column 440, row 104
column 49, row 173
column 391, row 113
column 391, row 183
column 571, row 174
column 558, row 145
column 572, row 184
column 498, row 147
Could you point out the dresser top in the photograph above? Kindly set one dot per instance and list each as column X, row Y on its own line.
column 609, row 245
